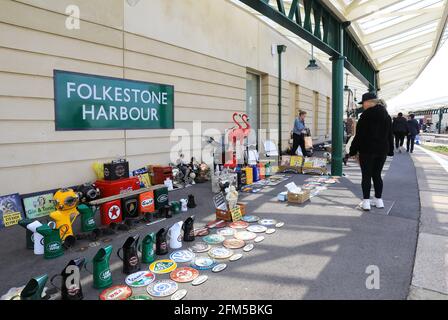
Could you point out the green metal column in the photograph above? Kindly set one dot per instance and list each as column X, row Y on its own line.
column 337, row 133
column 279, row 103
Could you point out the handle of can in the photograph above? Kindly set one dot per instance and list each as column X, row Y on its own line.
column 51, row 281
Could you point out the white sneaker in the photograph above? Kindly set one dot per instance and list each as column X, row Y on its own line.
column 365, row 204
column 378, row 203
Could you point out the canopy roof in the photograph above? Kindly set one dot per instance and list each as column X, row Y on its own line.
column 399, row 36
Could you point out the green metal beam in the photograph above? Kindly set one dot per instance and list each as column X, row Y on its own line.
column 356, row 61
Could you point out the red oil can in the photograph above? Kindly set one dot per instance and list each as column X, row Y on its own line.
column 112, row 188
column 111, row 212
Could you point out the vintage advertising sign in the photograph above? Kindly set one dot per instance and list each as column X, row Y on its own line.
column 11, row 211
column 38, row 205
column 91, row 102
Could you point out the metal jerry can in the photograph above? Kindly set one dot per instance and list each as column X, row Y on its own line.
column 111, row 212
column 174, row 235
column 34, row 288
column 147, row 248
column 102, row 276
column 188, row 229
column 88, row 223
column 52, row 241
column 255, row 173
column 129, row 207
column 70, row 287
column 161, row 197
column 146, row 202
column 249, row 175
column 131, row 262
column 161, row 244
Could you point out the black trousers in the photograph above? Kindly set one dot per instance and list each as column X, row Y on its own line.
column 399, row 139
column 298, row 140
column 371, row 167
column 410, row 141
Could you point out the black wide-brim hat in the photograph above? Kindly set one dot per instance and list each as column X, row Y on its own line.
column 368, row 96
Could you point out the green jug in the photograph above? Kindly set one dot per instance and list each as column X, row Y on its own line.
column 52, row 241
column 175, row 207
column 29, row 233
column 147, row 248
column 34, row 288
column 88, row 223
column 102, row 276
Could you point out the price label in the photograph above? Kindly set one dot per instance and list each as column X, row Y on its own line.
column 236, row 213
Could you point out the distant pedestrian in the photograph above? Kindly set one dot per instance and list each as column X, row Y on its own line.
column 298, row 133
column 413, row 131
column 374, row 142
column 400, row 130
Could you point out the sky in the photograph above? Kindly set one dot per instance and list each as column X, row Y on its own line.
column 431, row 84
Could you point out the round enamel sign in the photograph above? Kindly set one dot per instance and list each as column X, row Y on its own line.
column 259, row 239
column 184, row 274
column 250, row 218
column 220, row 253
column 179, row 295
column 201, row 232
column 267, row 222
column 239, row 225
column 203, row 263
column 140, row 279
column 233, row 243
column 162, row 266
column 214, row 239
column 120, row 292
column 216, row 224
column 162, row 288
column 235, row 257
column 180, row 256
column 245, row 235
column 219, row 267
column 248, row 247
column 226, row 231
column 257, row 228
column 200, row 247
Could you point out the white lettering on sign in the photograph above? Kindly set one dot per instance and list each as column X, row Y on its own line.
column 70, row 88
column 73, row 20
column 92, row 112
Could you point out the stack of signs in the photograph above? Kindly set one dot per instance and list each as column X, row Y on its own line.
column 11, row 210
column 296, row 161
column 38, row 205
column 220, row 201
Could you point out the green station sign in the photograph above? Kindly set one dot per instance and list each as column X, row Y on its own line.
column 91, row 102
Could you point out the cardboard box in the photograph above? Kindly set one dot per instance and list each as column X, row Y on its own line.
column 226, row 215
column 299, row 197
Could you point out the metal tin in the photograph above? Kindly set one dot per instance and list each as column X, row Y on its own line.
column 270, row 231
column 259, row 239
column 245, row 235
column 248, row 247
column 216, row 224
column 120, row 292
column 180, row 256
column 220, row 253
column 267, row 222
column 235, row 257
column 184, row 274
column 226, row 231
column 162, row 288
column 163, row 266
column 199, row 280
column 250, row 218
column 199, row 247
column 201, row 232
column 239, row 225
column 257, row 228
column 214, row 239
column 179, row 295
column 280, row 224
column 203, row 263
column 233, row 243
column 219, row 267
column 140, row 279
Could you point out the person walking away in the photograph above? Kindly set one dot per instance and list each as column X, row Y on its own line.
column 413, row 131
column 298, row 135
column 400, row 130
column 373, row 142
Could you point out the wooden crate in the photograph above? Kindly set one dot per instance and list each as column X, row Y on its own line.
column 225, row 215
column 299, row 197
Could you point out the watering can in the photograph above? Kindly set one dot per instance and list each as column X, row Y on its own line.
column 37, row 237
column 175, row 238
column 161, row 244
column 102, row 276
column 175, row 207
column 147, row 248
column 34, row 288
column 131, row 262
column 70, row 287
column 52, row 241
column 88, row 223
column 188, row 228
column 29, row 234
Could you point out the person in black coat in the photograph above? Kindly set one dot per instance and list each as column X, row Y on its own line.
column 413, row 130
column 400, row 130
column 373, row 142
